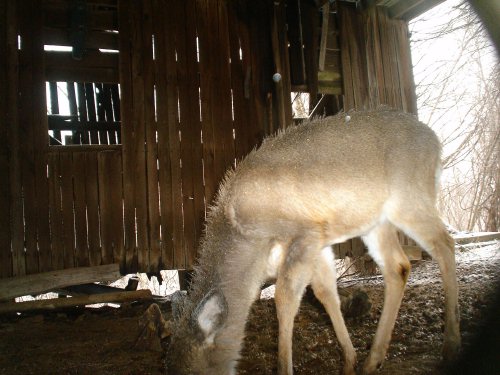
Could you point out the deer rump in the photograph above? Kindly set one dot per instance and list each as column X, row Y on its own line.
column 278, row 212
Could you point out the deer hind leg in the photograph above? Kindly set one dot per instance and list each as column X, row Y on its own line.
column 324, row 284
column 383, row 246
column 294, row 275
column 427, row 229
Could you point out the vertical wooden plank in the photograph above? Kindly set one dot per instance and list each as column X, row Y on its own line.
column 12, row 118
column 162, row 42
column 206, row 87
column 80, row 209
column 92, row 200
column 405, row 65
column 54, row 107
column 283, row 38
column 225, row 103
column 152, row 252
column 111, row 204
column 188, row 83
column 237, row 39
column 55, row 211
column 82, row 111
column 297, row 60
column 134, row 154
column 125, row 67
column 66, row 171
column 91, row 111
column 101, row 111
column 5, row 196
column 108, row 111
column 279, row 92
column 73, row 110
column 310, row 21
column 173, row 137
column 115, row 100
column 256, row 104
column 27, row 137
column 138, row 158
column 38, row 95
column 345, row 35
column 387, row 59
column 372, row 58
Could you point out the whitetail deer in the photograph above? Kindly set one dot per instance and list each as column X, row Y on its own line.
column 279, row 211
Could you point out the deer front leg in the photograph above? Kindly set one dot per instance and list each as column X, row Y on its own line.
column 384, row 247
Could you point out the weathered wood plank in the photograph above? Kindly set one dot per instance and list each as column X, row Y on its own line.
column 82, row 111
column 285, row 62
column 279, row 91
column 27, row 135
column 5, row 196
column 125, row 37
column 56, row 15
column 137, row 161
column 206, row 88
column 238, row 38
column 101, row 112
column 46, row 281
column 297, row 60
column 66, row 171
column 310, row 30
column 80, row 209
column 94, row 39
column 56, row 216
column 187, row 80
column 115, row 99
column 173, row 137
column 59, row 303
column 12, row 117
column 345, row 29
column 164, row 161
column 108, row 110
column 91, row 111
column 152, row 252
column 387, row 58
column 405, row 65
column 111, row 206
column 81, row 74
column 92, row 200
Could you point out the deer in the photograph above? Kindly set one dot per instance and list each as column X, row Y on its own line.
column 363, row 174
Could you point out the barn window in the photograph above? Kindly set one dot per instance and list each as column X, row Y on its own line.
column 83, row 113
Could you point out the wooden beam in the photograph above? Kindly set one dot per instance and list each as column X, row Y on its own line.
column 43, row 282
column 409, row 9
column 59, row 303
column 93, row 39
column 324, row 36
column 462, row 239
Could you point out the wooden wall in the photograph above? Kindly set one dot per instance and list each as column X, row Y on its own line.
column 193, row 102
column 376, row 60
column 196, row 96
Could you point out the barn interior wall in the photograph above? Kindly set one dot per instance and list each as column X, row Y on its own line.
column 197, row 94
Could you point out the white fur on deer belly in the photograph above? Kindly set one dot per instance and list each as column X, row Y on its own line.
column 275, row 260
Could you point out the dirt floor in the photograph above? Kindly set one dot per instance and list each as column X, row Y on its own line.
column 102, row 341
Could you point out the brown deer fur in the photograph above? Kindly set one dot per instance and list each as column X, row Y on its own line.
column 278, row 212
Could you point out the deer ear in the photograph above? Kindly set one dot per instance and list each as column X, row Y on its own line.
column 210, row 315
